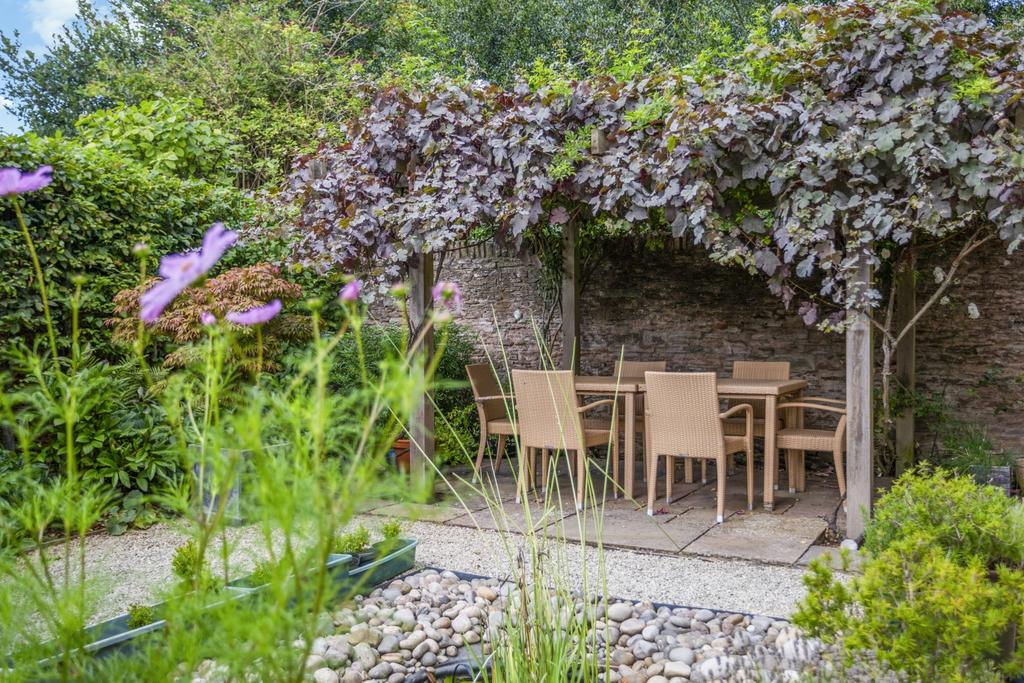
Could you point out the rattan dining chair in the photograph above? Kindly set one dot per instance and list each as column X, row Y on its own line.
column 797, row 437
column 492, row 407
column 748, row 369
column 550, row 418
column 684, row 421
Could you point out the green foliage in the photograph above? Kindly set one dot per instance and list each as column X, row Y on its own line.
column 267, row 77
column 391, row 529
column 262, row 573
column 456, row 434
column 131, row 511
column 920, row 610
column 962, row 518
column 120, row 431
column 941, row 581
column 647, row 113
column 140, row 615
column 574, row 147
column 87, row 222
column 164, row 135
column 353, row 542
column 186, row 561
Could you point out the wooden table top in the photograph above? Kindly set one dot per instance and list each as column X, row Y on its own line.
column 601, row 384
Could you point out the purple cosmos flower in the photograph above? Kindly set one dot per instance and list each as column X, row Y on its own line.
column 13, row 181
column 350, row 292
column 256, row 316
column 207, row 318
column 181, row 270
column 449, row 295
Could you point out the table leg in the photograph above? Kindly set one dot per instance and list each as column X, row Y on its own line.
column 630, row 401
column 770, row 453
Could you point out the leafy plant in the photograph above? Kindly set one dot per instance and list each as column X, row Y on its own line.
column 919, row 610
column 130, row 511
column 235, row 290
column 165, row 135
column 391, row 529
column 140, row 615
column 962, row 518
column 353, row 542
column 262, row 573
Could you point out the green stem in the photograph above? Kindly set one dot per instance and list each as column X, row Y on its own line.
column 40, row 280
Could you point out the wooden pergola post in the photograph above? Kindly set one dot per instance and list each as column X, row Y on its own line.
column 570, row 298
column 421, row 427
column 860, row 466
column 906, row 372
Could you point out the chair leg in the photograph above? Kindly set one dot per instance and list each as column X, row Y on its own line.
column 480, row 452
column 524, row 462
column 791, row 470
column 688, row 471
column 750, row 478
column 501, row 453
column 545, row 456
column 704, row 471
column 721, row 467
column 837, row 456
column 615, row 463
column 581, row 475
column 670, row 474
column 652, row 479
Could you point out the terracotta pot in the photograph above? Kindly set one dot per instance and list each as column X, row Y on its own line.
column 401, row 450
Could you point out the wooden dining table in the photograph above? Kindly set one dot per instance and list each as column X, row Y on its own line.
column 630, row 388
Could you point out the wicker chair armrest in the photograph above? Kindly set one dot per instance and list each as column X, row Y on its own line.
column 822, row 399
column 481, row 399
column 812, row 406
column 741, row 408
column 595, row 404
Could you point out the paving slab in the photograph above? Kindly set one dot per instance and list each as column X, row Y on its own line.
column 760, row 536
column 429, row 512
column 513, row 516
column 623, row 525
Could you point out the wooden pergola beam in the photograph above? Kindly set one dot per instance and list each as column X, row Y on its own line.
column 860, row 466
column 570, row 298
column 421, row 427
column 906, row 372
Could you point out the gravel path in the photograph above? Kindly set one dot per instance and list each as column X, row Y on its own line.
column 136, row 567
column 714, row 583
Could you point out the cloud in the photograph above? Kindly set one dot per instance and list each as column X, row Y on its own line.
column 49, row 16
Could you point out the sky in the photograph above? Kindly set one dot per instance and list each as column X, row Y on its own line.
column 37, row 21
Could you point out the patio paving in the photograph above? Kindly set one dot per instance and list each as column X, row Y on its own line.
column 790, row 534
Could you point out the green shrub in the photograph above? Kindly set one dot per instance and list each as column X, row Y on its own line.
column 164, row 135
column 391, row 529
column 964, row 519
column 140, row 615
column 456, row 434
column 87, row 222
column 919, row 610
column 121, row 433
column 353, row 542
column 262, row 573
column 186, row 562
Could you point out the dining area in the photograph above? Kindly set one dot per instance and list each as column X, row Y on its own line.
column 639, row 425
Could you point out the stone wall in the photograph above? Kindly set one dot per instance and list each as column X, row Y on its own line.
column 677, row 305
